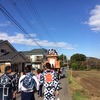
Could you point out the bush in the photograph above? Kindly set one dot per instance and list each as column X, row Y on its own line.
column 74, row 66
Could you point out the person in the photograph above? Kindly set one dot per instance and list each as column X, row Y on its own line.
column 16, row 76
column 50, row 81
column 28, row 83
column 39, row 74
column 57, row 73
column 63, row 71
column 7, row 82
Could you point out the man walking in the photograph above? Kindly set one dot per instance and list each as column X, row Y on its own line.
column 7, row 87
column 50, row 81
column 27, row 84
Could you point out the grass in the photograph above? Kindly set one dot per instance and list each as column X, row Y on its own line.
column 78, row 93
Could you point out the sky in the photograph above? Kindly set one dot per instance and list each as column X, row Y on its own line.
column 69, row 26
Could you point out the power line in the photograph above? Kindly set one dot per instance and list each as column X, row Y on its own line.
column 17, row 8
column 33, row 11
column 36, row 15
column 11, row 19
column 39, row 19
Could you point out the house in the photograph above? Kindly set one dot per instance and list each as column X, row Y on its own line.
column 10, row 56
column 37, row 57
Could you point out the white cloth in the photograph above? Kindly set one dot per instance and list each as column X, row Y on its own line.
column 20, row 86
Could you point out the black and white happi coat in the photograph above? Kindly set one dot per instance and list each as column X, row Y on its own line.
column 49, row 87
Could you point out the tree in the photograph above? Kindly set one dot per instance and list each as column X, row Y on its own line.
column 92, row 63
column 78, row 59
column 62, row 59
column 74, row 66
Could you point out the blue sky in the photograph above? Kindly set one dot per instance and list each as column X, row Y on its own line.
column 69, row 26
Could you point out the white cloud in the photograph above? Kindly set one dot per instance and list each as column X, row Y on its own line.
column 33, row 35
column 6, row 23
column 94, row 19
column 20, row 38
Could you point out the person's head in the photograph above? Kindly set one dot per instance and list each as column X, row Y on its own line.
column 8, row 69
column 28, row 68
column 38, row 71
column 55, row 69
column 48, row 66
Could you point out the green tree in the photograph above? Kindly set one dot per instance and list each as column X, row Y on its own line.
column 74, row 66
column 79, row 59
column 62, row 59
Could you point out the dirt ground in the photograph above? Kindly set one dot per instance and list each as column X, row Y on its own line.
column 90, row 81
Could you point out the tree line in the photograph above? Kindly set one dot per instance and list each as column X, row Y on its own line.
column 80, row 62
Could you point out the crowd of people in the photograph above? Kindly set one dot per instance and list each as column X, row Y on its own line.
column 30, row 83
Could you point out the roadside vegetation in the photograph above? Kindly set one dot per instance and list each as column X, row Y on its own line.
column 84, row 85
column 81, row 62
column 83, row 76
column 77, row 91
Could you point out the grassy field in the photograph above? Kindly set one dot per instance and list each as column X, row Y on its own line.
column 85, row 84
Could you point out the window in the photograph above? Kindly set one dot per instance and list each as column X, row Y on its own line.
column 3, row 50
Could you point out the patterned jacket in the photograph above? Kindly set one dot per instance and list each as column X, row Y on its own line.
column 51, row 84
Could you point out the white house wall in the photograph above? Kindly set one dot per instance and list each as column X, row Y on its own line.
column 33, row 57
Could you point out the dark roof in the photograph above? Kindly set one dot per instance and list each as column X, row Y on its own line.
column 39, row 51
column 1, row 40
column 26, row 52
column 9, row 56
column 5, row 41
column 35, row 51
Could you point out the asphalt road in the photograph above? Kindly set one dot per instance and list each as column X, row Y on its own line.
column 64, row 93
